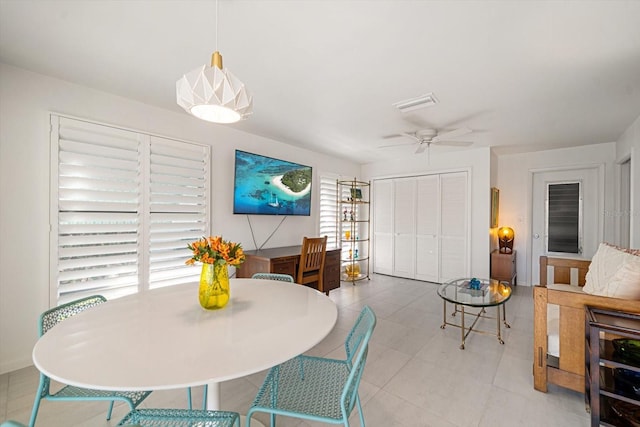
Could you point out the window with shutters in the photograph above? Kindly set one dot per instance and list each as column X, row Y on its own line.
column 124, row 205
column 328, row 206
column 564, row 218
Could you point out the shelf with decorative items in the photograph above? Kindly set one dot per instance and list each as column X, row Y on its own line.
column 353, row 228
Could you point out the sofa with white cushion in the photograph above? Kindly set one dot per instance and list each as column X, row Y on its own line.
column 610, row 280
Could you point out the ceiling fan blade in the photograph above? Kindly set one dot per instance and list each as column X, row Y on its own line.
column 410, row 135
column 421, row 148
column 398, row 135
column 452, row 134
column 455, row 143
column 395, row 145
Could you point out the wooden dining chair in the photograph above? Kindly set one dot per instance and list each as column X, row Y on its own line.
column 48, row 320
column 311, row 267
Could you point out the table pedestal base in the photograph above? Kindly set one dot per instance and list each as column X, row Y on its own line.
column 464, row 332
column 213, row 404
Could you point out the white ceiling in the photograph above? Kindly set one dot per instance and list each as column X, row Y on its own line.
column 524, row 76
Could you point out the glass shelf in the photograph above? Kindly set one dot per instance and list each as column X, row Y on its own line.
column 353, row 217
column 347, row 260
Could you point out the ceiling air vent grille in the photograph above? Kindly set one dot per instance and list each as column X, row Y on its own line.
column 412, row 104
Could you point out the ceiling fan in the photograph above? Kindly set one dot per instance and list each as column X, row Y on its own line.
column 425, row 137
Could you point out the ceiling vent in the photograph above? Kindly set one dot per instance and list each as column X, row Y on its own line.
column 412, row 104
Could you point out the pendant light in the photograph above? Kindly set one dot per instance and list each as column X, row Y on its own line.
column 213, row 93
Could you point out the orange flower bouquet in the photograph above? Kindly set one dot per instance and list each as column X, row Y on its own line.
column 215, row 253
column 215, row 250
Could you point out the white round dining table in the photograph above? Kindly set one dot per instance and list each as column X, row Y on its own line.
column 162, row 339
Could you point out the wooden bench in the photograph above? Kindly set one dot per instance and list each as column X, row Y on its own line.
column 569, row 370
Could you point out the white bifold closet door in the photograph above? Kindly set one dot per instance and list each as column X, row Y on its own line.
column 454, row 258
column 421, row 227
column 428, row 228
column 404, row 234
column 383, row 226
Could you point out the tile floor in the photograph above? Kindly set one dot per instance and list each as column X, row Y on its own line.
column 415, row 375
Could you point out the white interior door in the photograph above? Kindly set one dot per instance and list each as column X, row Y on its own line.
column 404, row 227
column 592, row 226
column 427, row 225
column 383, row 226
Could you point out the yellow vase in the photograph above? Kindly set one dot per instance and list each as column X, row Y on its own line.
column 214, row 286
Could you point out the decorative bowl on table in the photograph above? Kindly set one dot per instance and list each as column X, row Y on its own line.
column 474, row 287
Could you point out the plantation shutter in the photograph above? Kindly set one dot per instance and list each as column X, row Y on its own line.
column 328, row 209
column 179, row 214
column 98, row 199
column 124, row 205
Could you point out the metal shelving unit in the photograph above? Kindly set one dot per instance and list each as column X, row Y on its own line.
column 353, row 228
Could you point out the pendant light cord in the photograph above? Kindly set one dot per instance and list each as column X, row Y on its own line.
column 217, row 25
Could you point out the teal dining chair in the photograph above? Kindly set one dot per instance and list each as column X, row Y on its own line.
column 190, row 399
column 180, row 418
column 317, row 388
column 274, row 276
column 48, row 320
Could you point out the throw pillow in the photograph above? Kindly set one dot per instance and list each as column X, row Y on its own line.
column 625, row 283
column 607, row 261
column 627, row 250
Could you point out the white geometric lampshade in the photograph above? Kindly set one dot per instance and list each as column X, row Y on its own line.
column 214, row 95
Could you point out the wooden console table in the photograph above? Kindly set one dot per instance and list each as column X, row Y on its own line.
column 503, row 267
column 285, row 260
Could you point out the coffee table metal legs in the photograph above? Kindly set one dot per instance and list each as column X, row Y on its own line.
column 464, row 332
column 498, row 319
column 504, row 316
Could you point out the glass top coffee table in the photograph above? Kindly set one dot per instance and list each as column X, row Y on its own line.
column 481, row 294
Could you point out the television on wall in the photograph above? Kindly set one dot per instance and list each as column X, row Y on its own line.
column 267, row 186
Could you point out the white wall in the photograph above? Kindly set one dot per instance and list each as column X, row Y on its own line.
column 26, row 99
column 514, row 182
column 477, row 161
column 629, row 147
